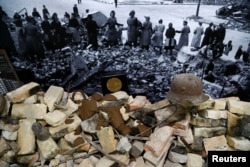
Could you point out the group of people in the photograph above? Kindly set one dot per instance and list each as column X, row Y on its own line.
column 50, row 34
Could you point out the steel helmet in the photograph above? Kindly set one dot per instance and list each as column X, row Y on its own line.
column 186, row 87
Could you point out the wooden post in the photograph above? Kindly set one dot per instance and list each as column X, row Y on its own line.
column 198, row 8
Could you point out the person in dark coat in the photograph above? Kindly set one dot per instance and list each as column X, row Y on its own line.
column 170, row 41
column 132, row 30
column 33, row 40
column 238, row 53
column 36, row 14
column 115, row 1
column 146, row 34
column 48, row 38
column 75, row 10
column 45, row 12
column 221, row 33
column 207, row 36
column 92, row 29
column 58, row 32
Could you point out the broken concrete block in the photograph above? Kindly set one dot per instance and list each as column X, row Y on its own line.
column 137, row 148
column 246, row 131
column 31, row 100
column 199, row 121
column 194, row 160
column 234, row 125
column 119, row 98
column 73, row 122
column 86, row 163
column 26, row 135
column 172, row 164
column 205, row 105
column 55, row 118
column 156, row 106
column 154, row 160
column 89, row 125
column 29, row 160
column 23, row 92
column 198, row 143
column 221, row 103
column 189, row 138
column 177, row 157
column 64, row 147
column 107, row 139
column 209, row 132
column 158, row 140
column 71, row 107
column 53, row 95
column 213, row 114
column 123, row 145
column 163, row 114
column 33, row 111
column 108, row 163
column 218, row 143
column 239, row 107
column 11, row 136
column 125, row 115
column 239, row 143
column 9, row 156
column 58, row 131
column 41, row 132
column 48, row 148
column 138, row 103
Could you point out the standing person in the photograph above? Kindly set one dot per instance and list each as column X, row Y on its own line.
column 238, row 53
column 79, row 1
column 132, row 29
column 157, row 38
column 221, row 33
column 92, row 29
column 74, row 29
column 45, row 12
column 112, row 33
column 36, row 14
column 115, row 3
column 170, row 41
column 198, row 32
column 75, row 10
column 207, row 36
column 228, row 47
column 184, row 38
column 48, row 39
column 146, row 33
column 214, row 35
column 33, row 40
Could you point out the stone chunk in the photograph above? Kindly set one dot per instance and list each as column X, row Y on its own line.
column 218, row 143
column 239, row 143
column 209, row 132
column 172, row 164
column 213, row 114
column 107, row 139
column 156, row 106
column 48, row 148
column 138, row 103
column 233, row 124
column 205, row 105
column 31, row 100
column 11, row 136
column 26, row 137
column 23, row 92
column 239, row 107
column 137, row 149
column 177, row 157
column 86, row 163
column 53, row 95
column 108, row 163
column 194, row 160
column 221, row 103
column 55, row 118
column 199, row 121
column 34, row 111
column 163, row 114
column 4, row 146
column 158, row 140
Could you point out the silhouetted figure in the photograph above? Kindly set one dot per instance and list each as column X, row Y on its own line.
column 221, row 33
column 238, row 53
column 245, row 56
column 48, row 38
column 228, row 47
column 207, row 35
column 75, row 10
column 92, row 30
column 36, row 14
column 115, row 3
column 184, row 37
column 132, row 29
column 170, row 41
column 45, row 12
column 79, row 1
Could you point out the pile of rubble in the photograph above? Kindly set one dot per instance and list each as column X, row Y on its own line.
column 59, row 128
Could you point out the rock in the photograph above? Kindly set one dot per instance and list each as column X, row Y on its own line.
column 156, row 106
column 23, row 92
column 41, row 133
column 107, row 139
column 218, row 143
column 11, row 136
column 221, row 103
column 64, row 147
column 48, row 148
column 137, row 149
column 55, row 118
column 86, row 163
column 246, row 131
column 108, row 163
column 233, row 124
column 194, row 160
column 205, row 105
column 123, row 145
column 138, row 103
column 53, row 95
column 28, row 159
column 31, row 100
column 204, row 122
column 34, row 111
column 4, row 146
column 213, row 114
column 163, row 114
column 238, row 143
column 26, row 135
column 177, row 157
column 172, row 164
column 239, row 107
column 198, row 143
column 89, row 125
column 209, row 132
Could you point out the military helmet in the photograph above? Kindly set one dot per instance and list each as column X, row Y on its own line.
column 186, row 88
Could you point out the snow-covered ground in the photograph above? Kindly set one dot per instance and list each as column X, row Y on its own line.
column 174, row 13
